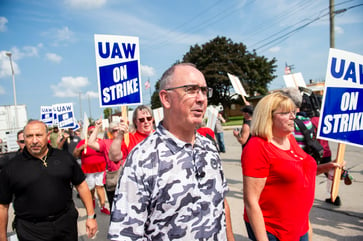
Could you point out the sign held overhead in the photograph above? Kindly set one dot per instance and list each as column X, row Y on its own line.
column 118, row 70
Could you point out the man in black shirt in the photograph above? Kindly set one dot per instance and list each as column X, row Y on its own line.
column 40, row 180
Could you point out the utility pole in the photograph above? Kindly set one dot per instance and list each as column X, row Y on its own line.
column 80, row 105
column 9, row 54
column 331, row 17
column 89, row 106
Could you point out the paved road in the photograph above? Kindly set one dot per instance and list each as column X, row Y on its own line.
column 344, row 223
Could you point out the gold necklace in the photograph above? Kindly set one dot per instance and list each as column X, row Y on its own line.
column 44, row 160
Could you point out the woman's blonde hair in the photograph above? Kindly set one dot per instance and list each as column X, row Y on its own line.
column 261, row 124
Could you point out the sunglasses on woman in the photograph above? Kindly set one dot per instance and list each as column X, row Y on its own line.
column 149, row 118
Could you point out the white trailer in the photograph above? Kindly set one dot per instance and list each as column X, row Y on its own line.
column 12, row 119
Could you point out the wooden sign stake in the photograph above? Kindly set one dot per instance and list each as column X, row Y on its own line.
column 337, row 172
column 124, row 116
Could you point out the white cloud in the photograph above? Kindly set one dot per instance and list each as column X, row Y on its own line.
column 147, row 71
column 275, row 49
column 61, row 36
column 26, row 51
column 3, row 22
column 16, row 54
column 2, row 90
column 91, row 94
column 54, row 57
column 152, row 34
column 69, row 86
column 338, row 30
column 64, row 35
column 85, row 4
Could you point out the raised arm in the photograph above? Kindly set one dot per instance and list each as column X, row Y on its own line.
column 78, row 150
column 63, row 137
column 92, row 140
column 115, row 153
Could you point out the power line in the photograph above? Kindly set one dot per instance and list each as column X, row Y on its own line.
column 287, row 35
column 228, row 10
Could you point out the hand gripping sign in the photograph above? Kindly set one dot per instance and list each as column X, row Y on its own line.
column 342, row 107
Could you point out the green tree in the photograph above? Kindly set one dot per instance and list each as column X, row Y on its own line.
column 221, row 56
column 155, row 101
column 107, row 112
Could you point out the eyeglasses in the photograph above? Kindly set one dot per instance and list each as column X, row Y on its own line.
column 142, row 120
column 193, row 90
column 21, row 141
column 114, row 130
column 293, row 113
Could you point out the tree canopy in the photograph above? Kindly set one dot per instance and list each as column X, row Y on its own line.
column 220, row 56
column 107, row 112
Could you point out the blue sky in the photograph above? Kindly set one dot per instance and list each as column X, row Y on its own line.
column 52, row 41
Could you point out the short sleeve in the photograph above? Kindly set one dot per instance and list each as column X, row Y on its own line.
column 255, row 161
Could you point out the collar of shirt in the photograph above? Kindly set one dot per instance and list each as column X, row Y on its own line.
column 174, row 144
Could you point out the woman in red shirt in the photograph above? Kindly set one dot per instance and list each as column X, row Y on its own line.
column 93, row 164
column 143, row 123
column 278, row 176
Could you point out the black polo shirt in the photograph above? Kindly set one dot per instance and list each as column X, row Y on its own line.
column 40, row 191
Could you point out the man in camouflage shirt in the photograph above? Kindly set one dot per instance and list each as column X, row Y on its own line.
column 172, row 186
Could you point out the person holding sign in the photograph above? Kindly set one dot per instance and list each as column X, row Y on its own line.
column 172, row 185
column 278, row 176
column 142, row 120
column 93, row 164
column 68, row 141
column 244, row 134
column 305, row 113
column 40, row 181
column 103, row 146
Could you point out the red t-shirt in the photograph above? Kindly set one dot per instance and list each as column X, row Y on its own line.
column 205, row 130
column 105, row 145
column 288, row 194
column 93, row 161
column 134, row 139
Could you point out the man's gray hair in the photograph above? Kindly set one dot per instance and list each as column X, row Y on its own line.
column 166, row 77
column 294, row 94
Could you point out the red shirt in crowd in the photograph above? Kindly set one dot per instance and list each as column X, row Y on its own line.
column 93, row 161
column 288, row 194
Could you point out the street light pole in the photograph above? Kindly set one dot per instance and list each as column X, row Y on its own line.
column 14, row 90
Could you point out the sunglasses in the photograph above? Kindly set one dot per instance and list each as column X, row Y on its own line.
column 21, row 141
column 149, row 118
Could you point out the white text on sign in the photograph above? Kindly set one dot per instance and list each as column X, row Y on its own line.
column 345, row 122
column 126, row 50
column 120, row 90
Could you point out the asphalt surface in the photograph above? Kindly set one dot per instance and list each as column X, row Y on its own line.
column 329, row 222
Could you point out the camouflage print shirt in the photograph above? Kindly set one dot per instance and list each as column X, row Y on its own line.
column 170, row 190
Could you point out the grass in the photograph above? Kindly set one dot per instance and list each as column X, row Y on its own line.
column 234, row 121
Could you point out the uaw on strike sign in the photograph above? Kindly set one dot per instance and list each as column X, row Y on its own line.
column 342, row 110
column 118, row 70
